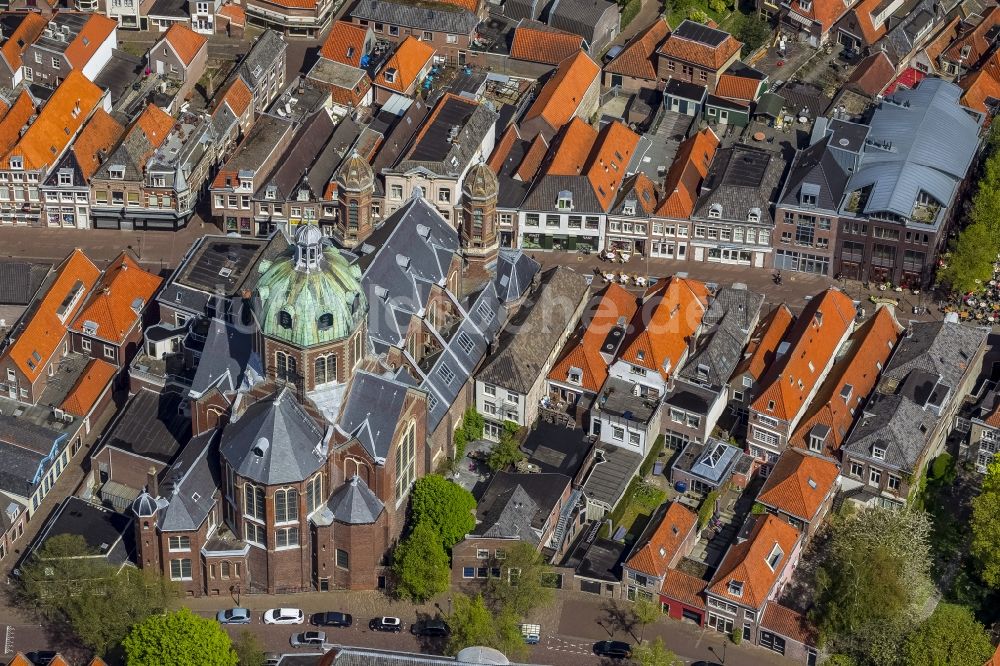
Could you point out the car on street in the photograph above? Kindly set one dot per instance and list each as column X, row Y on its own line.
column 308, row 639
column 393, row 624
column 284, row 616
column 234, row 616
column 430, row 629
column 613, row 649
column 706, row 663
column 331, row 619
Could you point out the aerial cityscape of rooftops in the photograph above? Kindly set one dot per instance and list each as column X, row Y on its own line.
column 499, row 332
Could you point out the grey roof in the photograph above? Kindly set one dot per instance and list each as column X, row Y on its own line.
column 21, row 466
column 105, row 531
column 354, row 656
column 225, row 359
column 900, row 39
column 728, row 322
column 355, row 504
column 769, row 104
column 515, row 271
column 711, row 461
column 260, row 142
column 371, row 411
column 545, row 192
column 19, row 280
column 535, row 333
column 607, row 479
column 444, row 19
column 580, row 17
column 896, row 424
column 304, row 149
column 920, row 140
column 275, row 441
column 513, row 190
column 804, row 99
column 336, row 150
column 437, row 149
column 517, row 505
column 151, row 425
column 511, row 518
column 191, row 484
column 268, row 49
column 741, row 178
column 816, row 171
column 943, row 348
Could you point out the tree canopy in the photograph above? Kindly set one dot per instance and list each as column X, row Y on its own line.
column 420, row 564
column 950, row 635
column 249, row 649
column 179, row 638
column 506, row 452
column 985, row 523
column 472, row 623
column 524, row 591
column 653, row 654
column 446, row 506
column 751, row 30
column 645, row 612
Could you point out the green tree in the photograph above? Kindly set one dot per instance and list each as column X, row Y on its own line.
column 645, row 612
column 470, row 430
column 522, row 590
column 506, row 452
column 448, row 507
column 178, row 639
column 473, row 623
column 970, row 264
column 951, row 635
column 653, row 654
column 985, row 523
column 420, row 564
column 249, row 649
column 752, row 31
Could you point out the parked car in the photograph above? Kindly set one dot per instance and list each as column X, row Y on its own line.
column 706, row 663
column 613, row 649
column 393, row 624
column 308, row 639
column 532, row 633
column 234, row 616
column 430, row 629
column 41, row 657
column 331, row 619
column 284, row 616
column 613, row 52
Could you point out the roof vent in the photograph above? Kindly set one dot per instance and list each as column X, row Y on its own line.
column 381, row 292
column 261, row 447
column 403, row 262
column 423, row 231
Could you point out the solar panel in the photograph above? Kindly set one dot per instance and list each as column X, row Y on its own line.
column 697, row 32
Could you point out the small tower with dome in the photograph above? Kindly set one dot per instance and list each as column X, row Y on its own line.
column 355, row 189
column 478, row 233
column 147, row 507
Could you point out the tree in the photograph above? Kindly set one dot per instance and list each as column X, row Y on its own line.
column 523, row 589
column 506, row 452
column 470, row 430
column 645, row 612
column 446, row 506
column 177, row 639
column 752, row 31
column 249, row 649
column 985, row 523
column 67, row 582
column 951, row 635
column 472, row 623
column 971, row 262
column 653, row 654
column 420, row 564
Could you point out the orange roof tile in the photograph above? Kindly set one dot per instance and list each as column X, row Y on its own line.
column 689, row 168
column 764, row 342
column 123, row 283
column 638, row 58
column 408, row 62
column 234, row 12
column 742, row 88
column 699, row 53
column 467, row 5
column 644, row 189
column 4, row 107
column 785, row 622
column 684, row 588
column 59, row 660
column 814, row 340
column 571, row 149
column 562, row 94
column 32, row 350
column 100, row 133
column 24, row 35
column 824, row 12
column 867, row 350
column 583, row 351
column 872, row 74
column 670, row 314
column 799, row 483
column 58, row 122
column 89, row 387
column 502, row 148
column 862, row 21
column 747, row 562
column 654, row 556
column 345, row 43
column 19, row 660
column 155, row 124
column 972, row 45
column 185, row 42
column 293, row 4
column 940, row 42
column 611, row 157
column 536, row 42
column 94, row 33
column 979, row 87
column 238, row 97
column 532, row 159
column 995, row 659
column 15, row 120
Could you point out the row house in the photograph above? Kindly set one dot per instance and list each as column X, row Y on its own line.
column 906, row 422
column 981, row 89
column 813, row 20
column 181, row 54
column 800, row 489
column 301, row 19
column 732, row 222
column 450, row 29
column 261, row 73
column 12, row 51
column 534, row 41
column 342, row 66
column 568, row 203
column 629, row 217
column 865, row 23
column 760, row 353
column 696, row 53
column 512, row 385
column 515, row 161
column 27, row 162
column 404, row 71
column 66, row 188
column 901, row 198
column 573, row 91
column 70, row 41
column 634, row 68
column 458, row 134
column 802, row 362
column 984, row 433
column 971, row 46
column 597, row 21
column 670, row 535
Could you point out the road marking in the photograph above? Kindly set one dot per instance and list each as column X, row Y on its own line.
column 562, row 645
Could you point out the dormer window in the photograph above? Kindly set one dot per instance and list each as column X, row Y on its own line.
column 66, row 177
column 246, row 184
column 805, row 5
column 303, row 194
column 715, row 212
column 17, row 162
column 575, row 376
column 878, row 453
column 390, row 75
column 809, row 194
column 325, row 321
column 628, row 208
column 753, row 215
column 116, row 173
column 565, row 200
column 846, row 391
column 736, row 588
column 774, row 558
column 270, row 193
column 284, row 319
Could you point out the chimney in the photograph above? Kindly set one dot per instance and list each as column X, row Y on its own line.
column 152, row 486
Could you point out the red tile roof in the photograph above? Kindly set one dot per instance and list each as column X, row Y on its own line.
column 19, row 660
column 813, row 342
column 606, row 168
column 638, row 58
column 824, row 12
column 747, row 562
column 407, row 62
column 584, row 351
column 532, row 159
column 740, row 88
column 862, row 21
column 982, row 85
column 234, row 12
column 940, row 42
column 699, row 53
column 908, row 78
column 670, row 314
column 293, row 4
column 185, row 42
column 562, row 94
column 123, row 284
column 345, row 43
column 238, row 98
column 995, row 659
column 644, row 190
column 764, row 342
column 973, row 43
column 40, row 339
column 866, row 351
column 537, row 42
column 655, row 555
column 24, row 35
column 689, row 168
column 799, row 483
column 685, row 588
column 872, row 74
column 502, row 148
column 572, row 147
column 467, row 5
column 94, row 33
column 155, row 124
column 15, row 120
column 89, row 387
column 100, row 133
column 788, row 623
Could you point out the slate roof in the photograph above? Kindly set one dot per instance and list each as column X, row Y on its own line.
column 412, row 16
column 742, row 178
column 580, row 17
column 19, row 280
column 24, row 449
column 903, row 36
column 799, row 483
column 355, row 504
column 817, row 170
column 515, row 271
column 896, row 424
column 191, row 484
column 436, row 149
column 227, row 360
column 550, row 314
column 372, row 410
column 254, row 150
column 944, row 348
column 274, row 441
column 306, row 146
column 933, row 141
column 150, row 425
column 518, row 505
column 727, row 322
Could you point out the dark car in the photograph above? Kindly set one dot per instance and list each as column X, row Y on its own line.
column 41, row 657
column 393, row 624
column 706, row 663
column 331, row 619
column 613, row 649
column 430, row 629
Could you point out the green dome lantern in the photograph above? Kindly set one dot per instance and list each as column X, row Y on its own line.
column 311, row 297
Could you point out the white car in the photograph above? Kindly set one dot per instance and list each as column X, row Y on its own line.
column 284, row 616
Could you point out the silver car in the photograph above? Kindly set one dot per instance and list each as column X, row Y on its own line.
column 308, row 639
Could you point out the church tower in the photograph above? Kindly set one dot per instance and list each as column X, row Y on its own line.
column 478, row 233
column 356, row 186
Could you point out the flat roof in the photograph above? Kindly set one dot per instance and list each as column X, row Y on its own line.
column 220, row 261
column 437, row 139
column 556, row 448
column 616, row 398
column 105, row 531
column 151, row 425
column 612, row 471
column 712, row 460
column 599, row 559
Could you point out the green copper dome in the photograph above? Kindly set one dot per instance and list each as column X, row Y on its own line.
column 312, row 296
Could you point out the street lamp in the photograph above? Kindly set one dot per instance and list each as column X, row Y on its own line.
column 449, row 606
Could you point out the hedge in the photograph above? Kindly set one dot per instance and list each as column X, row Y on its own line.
column 707, row 509
column 647, row 465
